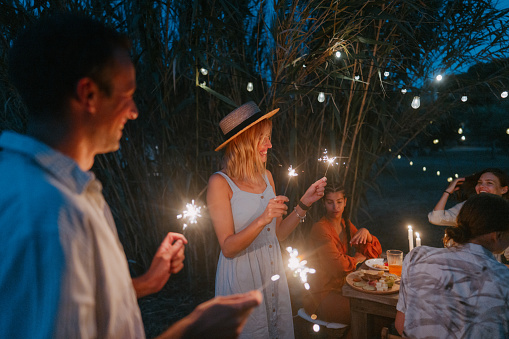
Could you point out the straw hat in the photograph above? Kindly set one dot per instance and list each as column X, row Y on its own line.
column 240, row 119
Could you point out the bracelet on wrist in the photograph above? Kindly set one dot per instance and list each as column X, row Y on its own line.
column 303, row 206
column 447, row 192
column 297, row 213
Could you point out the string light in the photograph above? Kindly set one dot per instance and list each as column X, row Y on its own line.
column 204, row 71
column 504, row 94
column 460, row 130
column 424, row 169
column 411, row 163
column 321, row 97
column 449, row 179
column 316, row 328
column 403, row 90
column 249, row 86
column 439, row 77
column 337, row 54
column 399, row 156
column 456, row 176
column 507, row 131
column 463, row 138
column 357, row 77
column 386, row 73
column 436, row 141
column 438, row 173
column 416, row 102
column 464, row 98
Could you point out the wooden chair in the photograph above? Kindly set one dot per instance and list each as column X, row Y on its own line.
column 387, row 335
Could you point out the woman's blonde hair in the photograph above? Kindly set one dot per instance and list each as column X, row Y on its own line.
column 241, row 160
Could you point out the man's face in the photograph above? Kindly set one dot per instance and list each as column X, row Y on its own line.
column 115, row 110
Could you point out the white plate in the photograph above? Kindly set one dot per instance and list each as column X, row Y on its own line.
column 379, row 261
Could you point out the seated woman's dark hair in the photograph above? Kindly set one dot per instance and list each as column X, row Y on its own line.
column 481, row 214
column 334, row 187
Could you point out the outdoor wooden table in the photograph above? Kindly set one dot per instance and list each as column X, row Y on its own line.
column 370, row 312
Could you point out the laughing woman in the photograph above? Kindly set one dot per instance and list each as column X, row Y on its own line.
column 248, row 221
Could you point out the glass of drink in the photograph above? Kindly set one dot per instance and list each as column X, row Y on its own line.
column 395, row 261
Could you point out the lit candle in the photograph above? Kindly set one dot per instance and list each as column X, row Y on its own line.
column 417, row 239
column 410, row 238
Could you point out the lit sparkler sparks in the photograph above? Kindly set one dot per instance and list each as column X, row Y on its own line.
column 299, row 267
column 191, row 213
column 275, row 277
column 329, row 160
column 291, row 173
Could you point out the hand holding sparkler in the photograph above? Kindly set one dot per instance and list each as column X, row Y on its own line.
column 314, row 192
column 275, row 208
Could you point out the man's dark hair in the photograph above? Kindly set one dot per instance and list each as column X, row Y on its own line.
column 481, row 214
column 48, row 59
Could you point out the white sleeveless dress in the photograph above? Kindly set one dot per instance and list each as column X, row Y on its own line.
column 253, row 268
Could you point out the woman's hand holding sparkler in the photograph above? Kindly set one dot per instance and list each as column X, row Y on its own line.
column 276, row 208
column 169, row 259
column 314, row 192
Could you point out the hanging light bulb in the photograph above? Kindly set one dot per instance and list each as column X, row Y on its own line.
column 416, row 102
column 424, row 169
column 399, row 156
column 463, row 138
column 411, row 163
column 438, row 173
column 386, row 73
column 449, row 179
column 249, row 86
column 435, row 141
column 403, row 90
column 439, row 77
column 504, row 94
column 357, row 77
column 460, row 130
column 304, row 66
column 337, row 54
column 464, row 98
column 456, row 175
column 507, row 131
column 204, row 71
column 321, row 97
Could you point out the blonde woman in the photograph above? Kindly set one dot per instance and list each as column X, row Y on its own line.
column 248, row 221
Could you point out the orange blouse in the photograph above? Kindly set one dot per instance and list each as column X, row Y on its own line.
column 331, row 259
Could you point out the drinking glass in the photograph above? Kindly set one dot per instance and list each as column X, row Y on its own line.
column 395, row 261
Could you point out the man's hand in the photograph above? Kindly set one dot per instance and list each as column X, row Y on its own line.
column 169, row 259
column 221, row 317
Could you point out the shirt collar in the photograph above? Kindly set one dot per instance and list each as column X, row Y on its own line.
column 478, row 249
column 58, row 164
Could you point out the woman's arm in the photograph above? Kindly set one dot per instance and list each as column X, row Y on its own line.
column 286, row 226
column 453, row 186
column 220, row 210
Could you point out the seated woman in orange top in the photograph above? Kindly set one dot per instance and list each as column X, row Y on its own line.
column 334, row 244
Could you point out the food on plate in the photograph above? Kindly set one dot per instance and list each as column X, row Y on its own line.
column 384, row 267
column 371, row 280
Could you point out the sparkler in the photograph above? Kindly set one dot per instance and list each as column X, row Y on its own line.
column 326, row 158
column 275, row 277
column 299, row 267
column 191, row 213
column 291, row 173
